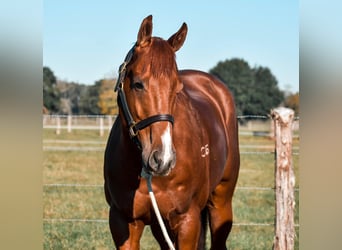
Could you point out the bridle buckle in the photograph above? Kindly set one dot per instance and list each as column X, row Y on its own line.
column 133, row 132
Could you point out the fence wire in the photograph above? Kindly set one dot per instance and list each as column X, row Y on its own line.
column 98, row 148
column 248, row 224
column 101, row 186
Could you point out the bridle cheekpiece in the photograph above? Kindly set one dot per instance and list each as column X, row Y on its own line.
column 133, row 126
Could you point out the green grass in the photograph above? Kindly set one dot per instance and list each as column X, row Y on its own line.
column 77, row 235
column 74, row 202
column 83, row 167
column 88, row 202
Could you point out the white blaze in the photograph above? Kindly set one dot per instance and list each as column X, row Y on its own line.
column 167, row 145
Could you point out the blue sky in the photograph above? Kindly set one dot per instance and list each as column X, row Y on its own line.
column 84, row 41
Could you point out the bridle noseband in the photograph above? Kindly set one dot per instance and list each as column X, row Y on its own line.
column 133, row 126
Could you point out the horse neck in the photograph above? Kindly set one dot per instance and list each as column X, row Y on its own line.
column 128, row 148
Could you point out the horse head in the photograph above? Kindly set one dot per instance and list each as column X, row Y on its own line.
column 148, row 93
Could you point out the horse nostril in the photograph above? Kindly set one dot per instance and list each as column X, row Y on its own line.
column 158, row 165
column 155, row 160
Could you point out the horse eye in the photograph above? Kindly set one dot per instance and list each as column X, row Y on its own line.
column 138, row 85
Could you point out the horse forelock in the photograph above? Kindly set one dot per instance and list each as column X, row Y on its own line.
column 162, row 59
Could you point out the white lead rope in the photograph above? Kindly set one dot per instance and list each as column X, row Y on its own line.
column 148, row 177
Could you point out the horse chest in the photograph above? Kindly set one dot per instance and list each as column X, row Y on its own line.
column 173, row 201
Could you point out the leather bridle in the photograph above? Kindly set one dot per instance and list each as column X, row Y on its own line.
column 133, row 126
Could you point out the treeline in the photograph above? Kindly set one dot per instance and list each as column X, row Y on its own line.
column 255, row 91
column 62, row 97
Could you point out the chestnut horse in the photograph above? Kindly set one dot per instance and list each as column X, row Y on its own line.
column 181, row 127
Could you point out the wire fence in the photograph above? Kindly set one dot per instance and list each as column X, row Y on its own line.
column 98, row 123
column 106, row 221
column 101, row 186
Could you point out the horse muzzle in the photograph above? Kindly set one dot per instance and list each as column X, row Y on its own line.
column 159, row 156
column 160, row 164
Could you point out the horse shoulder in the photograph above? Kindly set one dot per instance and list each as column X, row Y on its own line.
column 213, row 104
column 208, row 92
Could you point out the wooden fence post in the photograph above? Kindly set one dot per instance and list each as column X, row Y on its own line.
column 58, row 129
column 69, row 123
column 101, row 126
column 110, row 122
column 284, row 180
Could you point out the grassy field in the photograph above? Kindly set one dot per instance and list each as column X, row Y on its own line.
column 75, row 217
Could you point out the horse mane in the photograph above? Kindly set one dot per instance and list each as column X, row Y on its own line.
column 163, row 58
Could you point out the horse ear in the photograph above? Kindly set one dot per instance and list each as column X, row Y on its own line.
column 145, row 32
column 179, row 87
column 176, row 40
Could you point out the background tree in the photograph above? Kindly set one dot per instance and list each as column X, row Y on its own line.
column 255, row 90
column 70, row 93
column 292, row 102
column 88, row 102
column 237, row 75
column 266, row 93
column 51, row 98
column 107, row 99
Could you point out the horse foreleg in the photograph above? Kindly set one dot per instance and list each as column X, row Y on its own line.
column 126, row 235
column 220, row 217
column 158, row 235
column 188, row 230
